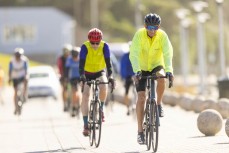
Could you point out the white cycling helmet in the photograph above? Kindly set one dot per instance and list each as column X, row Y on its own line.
column 19, row 51
column 67, row 48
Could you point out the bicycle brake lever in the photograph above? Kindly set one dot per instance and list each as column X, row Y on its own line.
column 170, row 82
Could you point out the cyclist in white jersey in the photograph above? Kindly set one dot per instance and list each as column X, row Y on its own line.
column 18, row 72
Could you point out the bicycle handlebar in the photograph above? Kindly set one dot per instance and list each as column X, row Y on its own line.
column 95, row 82
column 154, row 77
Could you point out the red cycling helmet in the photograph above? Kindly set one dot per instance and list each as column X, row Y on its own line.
column 95, row 35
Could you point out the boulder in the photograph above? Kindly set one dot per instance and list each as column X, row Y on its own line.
column 211, row 104
column 171, row 98
column 223, row 106
column 209, row 122
column 227, row 127
column 198, row 104
column 185, row 101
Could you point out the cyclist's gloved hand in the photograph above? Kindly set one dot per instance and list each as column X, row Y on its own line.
column 112, row 81
column 169, row 75
column 83, row 78
column 138, row 75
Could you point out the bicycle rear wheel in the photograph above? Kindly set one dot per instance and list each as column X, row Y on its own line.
column 91, row 124
column 98, row 123
column 148, row 136
column 155, row 126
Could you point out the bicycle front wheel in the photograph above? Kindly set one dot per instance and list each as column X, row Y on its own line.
column 19, row 103
column 91, row 123
column 98, row 123
column 147, row 126
column 155, row 126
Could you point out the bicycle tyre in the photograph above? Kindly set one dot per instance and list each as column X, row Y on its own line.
column 19, row 103
column 148, row 137
column 91, row 124
column 98, row 123
column 155, row 126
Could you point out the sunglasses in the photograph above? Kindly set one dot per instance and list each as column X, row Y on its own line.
column 95, row 43
column 151, row 27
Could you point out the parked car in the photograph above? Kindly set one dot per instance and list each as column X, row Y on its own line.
column 43, row 82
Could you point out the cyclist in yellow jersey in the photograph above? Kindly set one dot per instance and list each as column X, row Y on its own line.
column 94, row 59
column 150, row 52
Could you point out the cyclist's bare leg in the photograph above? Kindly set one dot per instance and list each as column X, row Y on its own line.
column 25, row 89
column 140, row 109
column 103, row 92
column 126, row 102
column 160, row 90
column 103, row 89
column 75, row 97
column 85, row 108
column 85, row 100
column 64, row 94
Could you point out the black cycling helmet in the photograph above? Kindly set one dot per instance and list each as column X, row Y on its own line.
column 75, row 51
column 152, row 19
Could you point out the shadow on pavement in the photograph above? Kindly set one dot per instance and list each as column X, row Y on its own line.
column 222, row 143
column 58, row 150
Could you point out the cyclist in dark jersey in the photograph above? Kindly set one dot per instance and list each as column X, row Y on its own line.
column 127, row 73
column 72, row 73
column 61, row 61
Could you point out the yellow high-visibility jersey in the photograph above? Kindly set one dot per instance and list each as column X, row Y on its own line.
column 95, row 60
column 147, row 53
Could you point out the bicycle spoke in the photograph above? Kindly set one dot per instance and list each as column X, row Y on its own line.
column 98, row 124
column 155, row 127
column 147, row 126
column 91, row 125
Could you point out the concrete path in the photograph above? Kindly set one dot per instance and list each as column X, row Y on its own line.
column 44, row 128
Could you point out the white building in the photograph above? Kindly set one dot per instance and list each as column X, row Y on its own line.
column 41, row 31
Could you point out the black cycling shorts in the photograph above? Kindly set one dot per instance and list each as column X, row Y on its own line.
column 94, row 76
column 141, row 86
column 74, row 83
column 18, row 81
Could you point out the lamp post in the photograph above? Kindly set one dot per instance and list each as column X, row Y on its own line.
column 198, row 7
column 138, row 14
column 94, row 14
column 221, row 37
column 202, row 18
column 184, row 24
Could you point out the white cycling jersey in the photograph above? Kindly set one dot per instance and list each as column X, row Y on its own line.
column 18, row 68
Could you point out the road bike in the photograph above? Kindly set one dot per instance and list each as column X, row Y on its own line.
column 95, row 113
column 151, row 118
